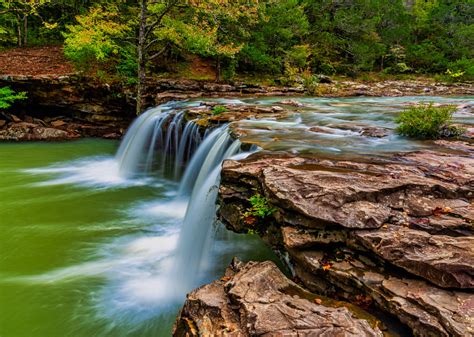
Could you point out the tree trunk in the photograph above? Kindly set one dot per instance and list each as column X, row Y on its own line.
column 18, row 26
column 25, row 30
column 141, row 71
column 218, row 68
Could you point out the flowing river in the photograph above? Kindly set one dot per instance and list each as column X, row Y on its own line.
column 98, row 240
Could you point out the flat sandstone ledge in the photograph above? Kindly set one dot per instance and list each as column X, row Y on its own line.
column 398, row 234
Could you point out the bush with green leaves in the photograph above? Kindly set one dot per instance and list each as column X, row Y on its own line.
column 427, row 121
column 99, row 40
column 261, row 208
column 461, row 70
column 310, row 83
column 9, row 96
column 218, row 109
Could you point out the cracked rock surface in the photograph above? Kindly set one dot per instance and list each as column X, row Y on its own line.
column 395, row 235
column 256, row 299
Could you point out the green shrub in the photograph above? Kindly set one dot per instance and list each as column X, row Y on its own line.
column 455, row 75
column 310, row 83
column 428, row 122
column 230, row 70
column 260, row 207
column 398, row 68
column 8, row 96
column 218, row 109
column 461, row 70
column 98, row 40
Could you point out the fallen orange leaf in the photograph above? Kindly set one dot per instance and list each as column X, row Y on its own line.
column 326, row 266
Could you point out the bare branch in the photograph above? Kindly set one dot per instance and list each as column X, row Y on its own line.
column 151, row 43
column 162, row 50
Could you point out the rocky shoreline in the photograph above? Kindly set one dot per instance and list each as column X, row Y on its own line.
column 84, row 108
column 394, row 236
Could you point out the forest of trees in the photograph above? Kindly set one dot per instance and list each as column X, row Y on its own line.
column 124, row 39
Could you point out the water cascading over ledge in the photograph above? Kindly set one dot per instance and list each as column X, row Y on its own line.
column 157, row 141
column 160, row 142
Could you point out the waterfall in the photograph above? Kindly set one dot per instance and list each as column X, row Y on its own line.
column 160, row 141
column 195, row 170
column 157, row 141
column 196, row 234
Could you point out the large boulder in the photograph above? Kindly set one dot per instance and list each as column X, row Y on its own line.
column 256, row 299
column 397, row 233
column 320, row 193
column 28, row 131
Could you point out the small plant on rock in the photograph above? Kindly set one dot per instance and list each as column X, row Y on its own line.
column 8, row 96
column 455, row 75
column 218, row 109
column 428, row 122
column 260, row 208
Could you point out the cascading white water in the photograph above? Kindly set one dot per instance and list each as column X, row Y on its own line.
column 189, row 140
column 191, row 256
column 139, row 140
column 198, row 164
column 157, row 139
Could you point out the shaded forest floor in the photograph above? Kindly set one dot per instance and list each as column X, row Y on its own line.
column 35, row 61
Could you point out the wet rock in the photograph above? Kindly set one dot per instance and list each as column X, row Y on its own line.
column 112, row 135
column 395, row 234
column 204, row 116
column 291, row 102
column 465, row 109
column 338, row 196
column 304, row 238
column 256, row 299
column 374, row 132
column 457, row 168
column 319, row 129
column 41, row 133
column 456, row 145
column 347, row 126
column 427, row 310
column 63, row 129
column 446, row 261
column 443, row 225
column 28, row 131
column 58, row 123
column 469, row 133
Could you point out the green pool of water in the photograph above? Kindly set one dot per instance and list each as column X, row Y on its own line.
column 78, row 249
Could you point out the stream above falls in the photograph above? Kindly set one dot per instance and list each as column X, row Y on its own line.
column 86, row 235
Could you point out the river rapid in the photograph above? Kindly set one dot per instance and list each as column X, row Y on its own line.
column 89, row 238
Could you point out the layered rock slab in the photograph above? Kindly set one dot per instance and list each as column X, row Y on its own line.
column 398, row 232
column 256, row 299
column 446, row 261
column 427, row 310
